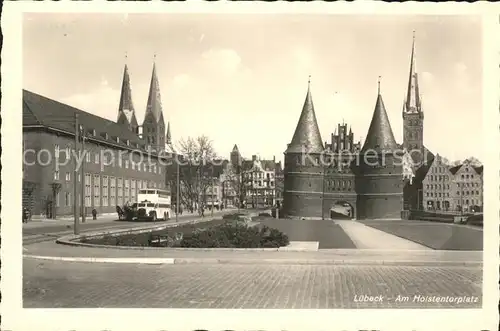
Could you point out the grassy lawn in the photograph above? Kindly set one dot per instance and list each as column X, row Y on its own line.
column 328, row 234
column 435, row 235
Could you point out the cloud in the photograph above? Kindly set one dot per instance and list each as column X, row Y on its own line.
column 225, row 62
column 102, row 101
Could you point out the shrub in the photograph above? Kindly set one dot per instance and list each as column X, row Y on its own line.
column 235, row 235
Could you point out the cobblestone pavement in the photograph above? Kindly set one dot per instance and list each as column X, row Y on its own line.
column 81, row 285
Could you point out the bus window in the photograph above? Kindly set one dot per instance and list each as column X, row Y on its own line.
column 141, row 204
column 151, row 192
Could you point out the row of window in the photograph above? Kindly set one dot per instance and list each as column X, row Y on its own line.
column 438, row 186
column 339, row 183
column 473, row 202
column 438, row 177
column 436, row 195
column 467, row 192
column 447, row 194
column 468, row 184
column 251, row 175
column 440, row 170
column 447, row 186
column 109, row 190
column 260, row 183
column 109, row 160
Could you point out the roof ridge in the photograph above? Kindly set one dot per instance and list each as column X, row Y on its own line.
column 32, row 113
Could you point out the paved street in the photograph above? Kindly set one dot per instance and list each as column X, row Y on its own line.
column 61, row 285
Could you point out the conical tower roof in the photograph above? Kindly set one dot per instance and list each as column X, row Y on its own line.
column 235, row 148
column 154, row 96
column 126, row 105
column 380, row 136
column 307, row 137
column 413, row 102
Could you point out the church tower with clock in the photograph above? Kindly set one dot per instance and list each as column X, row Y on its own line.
column 413, row 116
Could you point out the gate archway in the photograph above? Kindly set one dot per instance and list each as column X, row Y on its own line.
column 342, row 210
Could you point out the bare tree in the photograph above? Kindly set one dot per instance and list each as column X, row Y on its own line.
column 196, row 169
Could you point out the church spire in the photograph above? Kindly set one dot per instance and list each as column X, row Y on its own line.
column 168, row 139
column 380, row 136
column 126, row 111
column 307, row 137
column 412, row 103
column 154, row 97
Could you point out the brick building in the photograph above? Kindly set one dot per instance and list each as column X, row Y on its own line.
column 261, row 180
column 371, row 181
column 453, row 188
column 116, row 164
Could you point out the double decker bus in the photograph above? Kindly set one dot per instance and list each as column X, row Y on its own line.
column 153, row 204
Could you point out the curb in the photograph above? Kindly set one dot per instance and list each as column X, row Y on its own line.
column 104, row 259
column 161, row 261
column 72, row 240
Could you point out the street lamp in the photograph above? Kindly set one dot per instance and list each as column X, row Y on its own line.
column 177, row 200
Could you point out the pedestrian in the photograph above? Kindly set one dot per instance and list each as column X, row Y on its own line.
column 25, row 215
column 94, row 214
column 202, row 211
column 180, row 209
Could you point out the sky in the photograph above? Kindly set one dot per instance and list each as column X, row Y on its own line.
column 242, row 79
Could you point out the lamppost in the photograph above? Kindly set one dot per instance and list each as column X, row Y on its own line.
column 75, row 178
column 178, row 188
column 212, row 192
column 82, row 173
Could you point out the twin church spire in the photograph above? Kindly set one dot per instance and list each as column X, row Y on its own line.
column 153, row 127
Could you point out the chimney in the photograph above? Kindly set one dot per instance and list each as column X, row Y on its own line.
column 254, row 157
column 274, row 159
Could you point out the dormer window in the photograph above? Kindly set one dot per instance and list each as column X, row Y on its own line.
column 93, row 132
column 127, row 142
column 106, row 136
column 117, row 139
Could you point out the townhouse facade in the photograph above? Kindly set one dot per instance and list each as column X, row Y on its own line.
column 453, row 188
